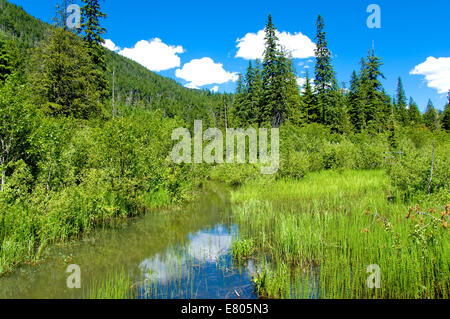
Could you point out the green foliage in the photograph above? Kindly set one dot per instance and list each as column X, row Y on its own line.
column 401, row 103
column 445, row 122
column 356, row 109
column 324, row 74
column 18, row 24
column 92, row 32
column 414, row 115
column 117, row 285
column 91, row 28
column 268, row 94
column 11, row 59
column 16, row 123
column 316, row 237
column 377, row 108
column 63, row 76
column 243, row 249
column 65, row 169
column 309, row 102
column 410, row 172
column 430, row 117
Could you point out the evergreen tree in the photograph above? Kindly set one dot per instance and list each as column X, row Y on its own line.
column 239, row 104
column 414, row 115
column 11, row 59
column 63, row 77
column 222, row 113
column 324, row 74
column 338, row 112
column 445, row 122
column 61, row 15
column 295, row 111
column 401, row 103
column 251, row 99
column 377, row 107
column 92, row 34
column 90, row 24
column 393, row 132
column 309, row 102
column 255, row 90
column 273, row 100
column 356, row 111
column 430, row 117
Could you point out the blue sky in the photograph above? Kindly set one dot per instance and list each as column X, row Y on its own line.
column 198, row 44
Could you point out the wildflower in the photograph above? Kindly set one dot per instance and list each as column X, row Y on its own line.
column 444, row 224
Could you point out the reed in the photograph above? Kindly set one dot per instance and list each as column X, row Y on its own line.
column 320, row 234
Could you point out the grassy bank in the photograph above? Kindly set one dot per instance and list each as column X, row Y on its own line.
column 318, row 236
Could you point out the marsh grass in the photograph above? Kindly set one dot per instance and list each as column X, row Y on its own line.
column 117, row 285
column 320, row 234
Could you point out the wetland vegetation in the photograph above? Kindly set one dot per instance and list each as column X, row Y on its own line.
column 87, row 179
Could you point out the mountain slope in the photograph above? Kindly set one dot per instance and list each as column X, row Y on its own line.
column 135, row 86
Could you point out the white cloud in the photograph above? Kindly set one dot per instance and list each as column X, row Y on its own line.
column 200, row 72
column 436, row 72
column 155, row 55
column 301, row 82
column 215, row 89
column 191, row 86
column 251, row 46
column 110, row 45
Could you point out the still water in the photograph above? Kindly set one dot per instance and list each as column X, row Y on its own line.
column 167, row 254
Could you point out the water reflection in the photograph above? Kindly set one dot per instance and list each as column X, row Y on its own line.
column 201, row 269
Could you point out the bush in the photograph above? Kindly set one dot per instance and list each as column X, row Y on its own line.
column 410, row 171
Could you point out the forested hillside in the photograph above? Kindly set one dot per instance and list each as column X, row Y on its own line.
column 135, row 86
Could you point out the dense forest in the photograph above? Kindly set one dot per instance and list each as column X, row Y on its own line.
column 86, row 133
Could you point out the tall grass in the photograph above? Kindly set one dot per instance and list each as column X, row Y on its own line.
column 118, row 285
column 320, row 234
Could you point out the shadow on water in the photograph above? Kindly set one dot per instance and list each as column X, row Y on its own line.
column 166, row 254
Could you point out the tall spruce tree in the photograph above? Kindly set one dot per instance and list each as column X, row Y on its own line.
column 430, row 117
column 338, row 112
column 377, row 105
column 324, row 74
column 239, row 104
column 355, row 103
column 401, row 103
column 294, row 109
column 252, row 88
column 309, row 101
column 63, row 77
column 414, row 115
column 272, row 100
column 255, row 91
column 277, row 81
column 92, row 32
